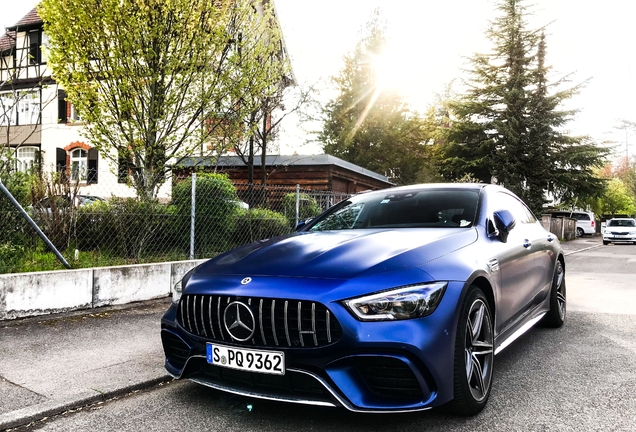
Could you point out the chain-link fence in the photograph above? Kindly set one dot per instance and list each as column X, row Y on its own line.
column 196, row 217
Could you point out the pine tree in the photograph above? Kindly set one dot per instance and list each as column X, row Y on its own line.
column 508, row 126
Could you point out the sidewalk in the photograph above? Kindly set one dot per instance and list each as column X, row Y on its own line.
column 50, row 364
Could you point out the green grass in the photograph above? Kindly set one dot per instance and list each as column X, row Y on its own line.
column 15, row 260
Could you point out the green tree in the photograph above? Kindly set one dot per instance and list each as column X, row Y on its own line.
column 508, row 126
column 156, row 80
column 369, row 125
column 617, row 199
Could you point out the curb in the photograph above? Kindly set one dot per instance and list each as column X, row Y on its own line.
column 27, row 415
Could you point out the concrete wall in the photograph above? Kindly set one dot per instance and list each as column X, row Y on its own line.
column 40, row 293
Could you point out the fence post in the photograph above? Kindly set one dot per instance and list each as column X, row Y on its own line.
column 193, row 213
column 297, row 203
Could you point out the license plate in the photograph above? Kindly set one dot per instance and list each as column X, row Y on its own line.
column 261, row 361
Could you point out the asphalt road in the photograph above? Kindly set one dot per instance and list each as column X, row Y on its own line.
column 581, row 377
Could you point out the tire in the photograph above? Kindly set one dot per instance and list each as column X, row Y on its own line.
column 474, row 355
column 558, row 302
column 579, row 232
column 605, row 242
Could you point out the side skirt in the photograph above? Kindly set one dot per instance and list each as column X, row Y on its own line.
column 510, row 339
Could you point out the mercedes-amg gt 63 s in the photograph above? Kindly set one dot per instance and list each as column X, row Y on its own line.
column 393, row 300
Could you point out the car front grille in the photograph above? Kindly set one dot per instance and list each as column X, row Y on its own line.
column 278, row 322
column 388, row 377
column 619, row 232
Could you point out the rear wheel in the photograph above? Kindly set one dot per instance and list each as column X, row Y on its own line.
column 556, row 315
column 579, row 232
column 474, row 355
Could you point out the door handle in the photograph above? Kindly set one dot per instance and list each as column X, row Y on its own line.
column 527, row 243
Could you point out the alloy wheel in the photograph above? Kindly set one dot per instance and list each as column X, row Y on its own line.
column 560, row 291
column 479, row 350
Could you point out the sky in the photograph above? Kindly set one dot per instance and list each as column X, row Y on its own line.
column 431, row 40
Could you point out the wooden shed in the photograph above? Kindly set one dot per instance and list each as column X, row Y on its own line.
column 318, row 172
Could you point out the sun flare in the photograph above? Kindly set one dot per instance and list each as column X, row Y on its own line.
column 390, row 70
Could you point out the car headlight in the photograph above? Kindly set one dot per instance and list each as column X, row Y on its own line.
column 178, row 287
column 177, row 291
column 414, row 301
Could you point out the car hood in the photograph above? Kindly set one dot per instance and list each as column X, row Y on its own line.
column 339, row 254
column 620, row 229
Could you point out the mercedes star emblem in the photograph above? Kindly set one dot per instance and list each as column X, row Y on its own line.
column 239, row 321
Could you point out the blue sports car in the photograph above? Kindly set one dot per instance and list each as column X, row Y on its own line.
column 393, row 300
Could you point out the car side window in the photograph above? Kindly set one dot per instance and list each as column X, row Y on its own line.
column 518, row 209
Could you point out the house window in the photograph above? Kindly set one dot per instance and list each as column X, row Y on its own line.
column 74, row 116
column 35, row 50
column 122, row 170
column 62, row 116
column 19, row 108
column 26, row 158
column 8, row 110
column 79, row 164
column 29, row 109
column 93, row 159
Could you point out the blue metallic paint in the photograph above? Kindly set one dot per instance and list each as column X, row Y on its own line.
column 331, row 266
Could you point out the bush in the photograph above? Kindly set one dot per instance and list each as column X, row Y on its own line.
column 307, row 208
column 11, row 221
column 127, row 228
column 52, row 210
column 217, row 207
column 259, row 224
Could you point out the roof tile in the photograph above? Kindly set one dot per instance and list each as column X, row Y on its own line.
column 7, row 41
column 29, row 19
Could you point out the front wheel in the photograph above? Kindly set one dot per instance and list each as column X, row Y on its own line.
column 474, row 355
column 556, row 315
column 605, row 242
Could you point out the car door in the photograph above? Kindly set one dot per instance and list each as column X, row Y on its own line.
column 517, row 258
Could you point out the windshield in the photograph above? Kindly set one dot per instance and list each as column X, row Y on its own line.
column 426, row 208
column 622, row 223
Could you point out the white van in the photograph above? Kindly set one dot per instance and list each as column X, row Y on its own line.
column 585, row 220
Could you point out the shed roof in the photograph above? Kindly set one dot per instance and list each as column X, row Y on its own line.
column 282, row 160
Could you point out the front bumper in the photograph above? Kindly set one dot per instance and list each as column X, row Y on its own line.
column 390, row 366
column 619, row 238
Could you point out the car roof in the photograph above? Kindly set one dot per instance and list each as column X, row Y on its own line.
column 461, row 186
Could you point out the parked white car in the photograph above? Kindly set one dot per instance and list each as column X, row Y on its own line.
column 585, row 220
column 620, row 230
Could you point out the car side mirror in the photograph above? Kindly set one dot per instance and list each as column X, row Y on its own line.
column 504, row 222
column 301, row 224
